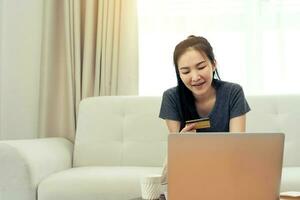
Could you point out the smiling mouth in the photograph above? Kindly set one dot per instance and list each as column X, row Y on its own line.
column 198, row 84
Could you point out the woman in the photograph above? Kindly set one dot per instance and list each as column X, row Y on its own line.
column 201, row 94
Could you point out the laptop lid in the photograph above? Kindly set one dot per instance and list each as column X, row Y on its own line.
column 227, row 166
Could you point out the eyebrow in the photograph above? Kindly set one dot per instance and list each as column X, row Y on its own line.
column 180, row 68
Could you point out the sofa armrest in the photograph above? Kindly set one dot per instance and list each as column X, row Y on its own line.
column 24, row 163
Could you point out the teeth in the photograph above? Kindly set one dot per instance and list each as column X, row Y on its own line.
column 198, row 84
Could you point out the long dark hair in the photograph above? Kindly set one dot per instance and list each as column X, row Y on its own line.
column 187, row 100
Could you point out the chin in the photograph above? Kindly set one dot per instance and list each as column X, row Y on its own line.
column 199, row 92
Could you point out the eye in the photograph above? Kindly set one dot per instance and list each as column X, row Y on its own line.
column 202, row 67
column 185, row 72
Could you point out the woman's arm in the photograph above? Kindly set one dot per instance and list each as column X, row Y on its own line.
column 174, row 126
column 237, row 124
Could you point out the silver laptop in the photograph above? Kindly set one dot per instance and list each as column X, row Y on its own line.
column 225, row 166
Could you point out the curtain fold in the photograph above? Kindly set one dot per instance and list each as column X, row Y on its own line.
column 83, row 43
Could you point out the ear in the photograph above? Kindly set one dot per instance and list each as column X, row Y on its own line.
column 214, row 66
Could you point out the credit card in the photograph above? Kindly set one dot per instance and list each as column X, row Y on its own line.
column 200, row 123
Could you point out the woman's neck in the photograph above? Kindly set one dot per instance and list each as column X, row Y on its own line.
column 205, row 103
column 211, row 93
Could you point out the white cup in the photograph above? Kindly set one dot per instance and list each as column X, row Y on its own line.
column 151, row 187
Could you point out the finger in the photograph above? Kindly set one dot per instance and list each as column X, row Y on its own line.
column 189, row 127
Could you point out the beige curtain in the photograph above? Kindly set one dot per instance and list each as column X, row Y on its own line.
column 89, row 48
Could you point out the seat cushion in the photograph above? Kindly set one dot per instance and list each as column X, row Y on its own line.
column 115, row 183
column 290, row 180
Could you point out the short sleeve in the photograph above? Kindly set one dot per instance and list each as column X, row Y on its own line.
column 169, row 106
column 238, row 103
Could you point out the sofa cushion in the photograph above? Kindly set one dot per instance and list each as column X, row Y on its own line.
column 95, row 183
column 277, row 114
column 290, row 180
column 120, row 131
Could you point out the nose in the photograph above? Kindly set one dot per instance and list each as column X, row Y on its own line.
column 195, row 75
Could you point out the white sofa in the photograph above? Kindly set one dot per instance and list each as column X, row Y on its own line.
column 118, row 140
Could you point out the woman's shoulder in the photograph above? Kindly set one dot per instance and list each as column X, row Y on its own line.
column 171, row 94
column 171, row 91
column 226, row 85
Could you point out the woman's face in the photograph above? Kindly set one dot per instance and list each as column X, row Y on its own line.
column 196, row 72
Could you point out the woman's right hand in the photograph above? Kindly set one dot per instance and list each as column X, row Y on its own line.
column 189, row 128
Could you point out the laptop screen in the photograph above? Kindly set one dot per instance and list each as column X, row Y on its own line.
column 225, row 166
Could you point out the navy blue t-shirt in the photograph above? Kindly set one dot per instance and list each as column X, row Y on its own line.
column 230, row 102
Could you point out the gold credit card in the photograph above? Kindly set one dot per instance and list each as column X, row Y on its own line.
column 200, row 123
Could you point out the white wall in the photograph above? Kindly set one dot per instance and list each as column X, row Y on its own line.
column 20, row 42
column 1, row 12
